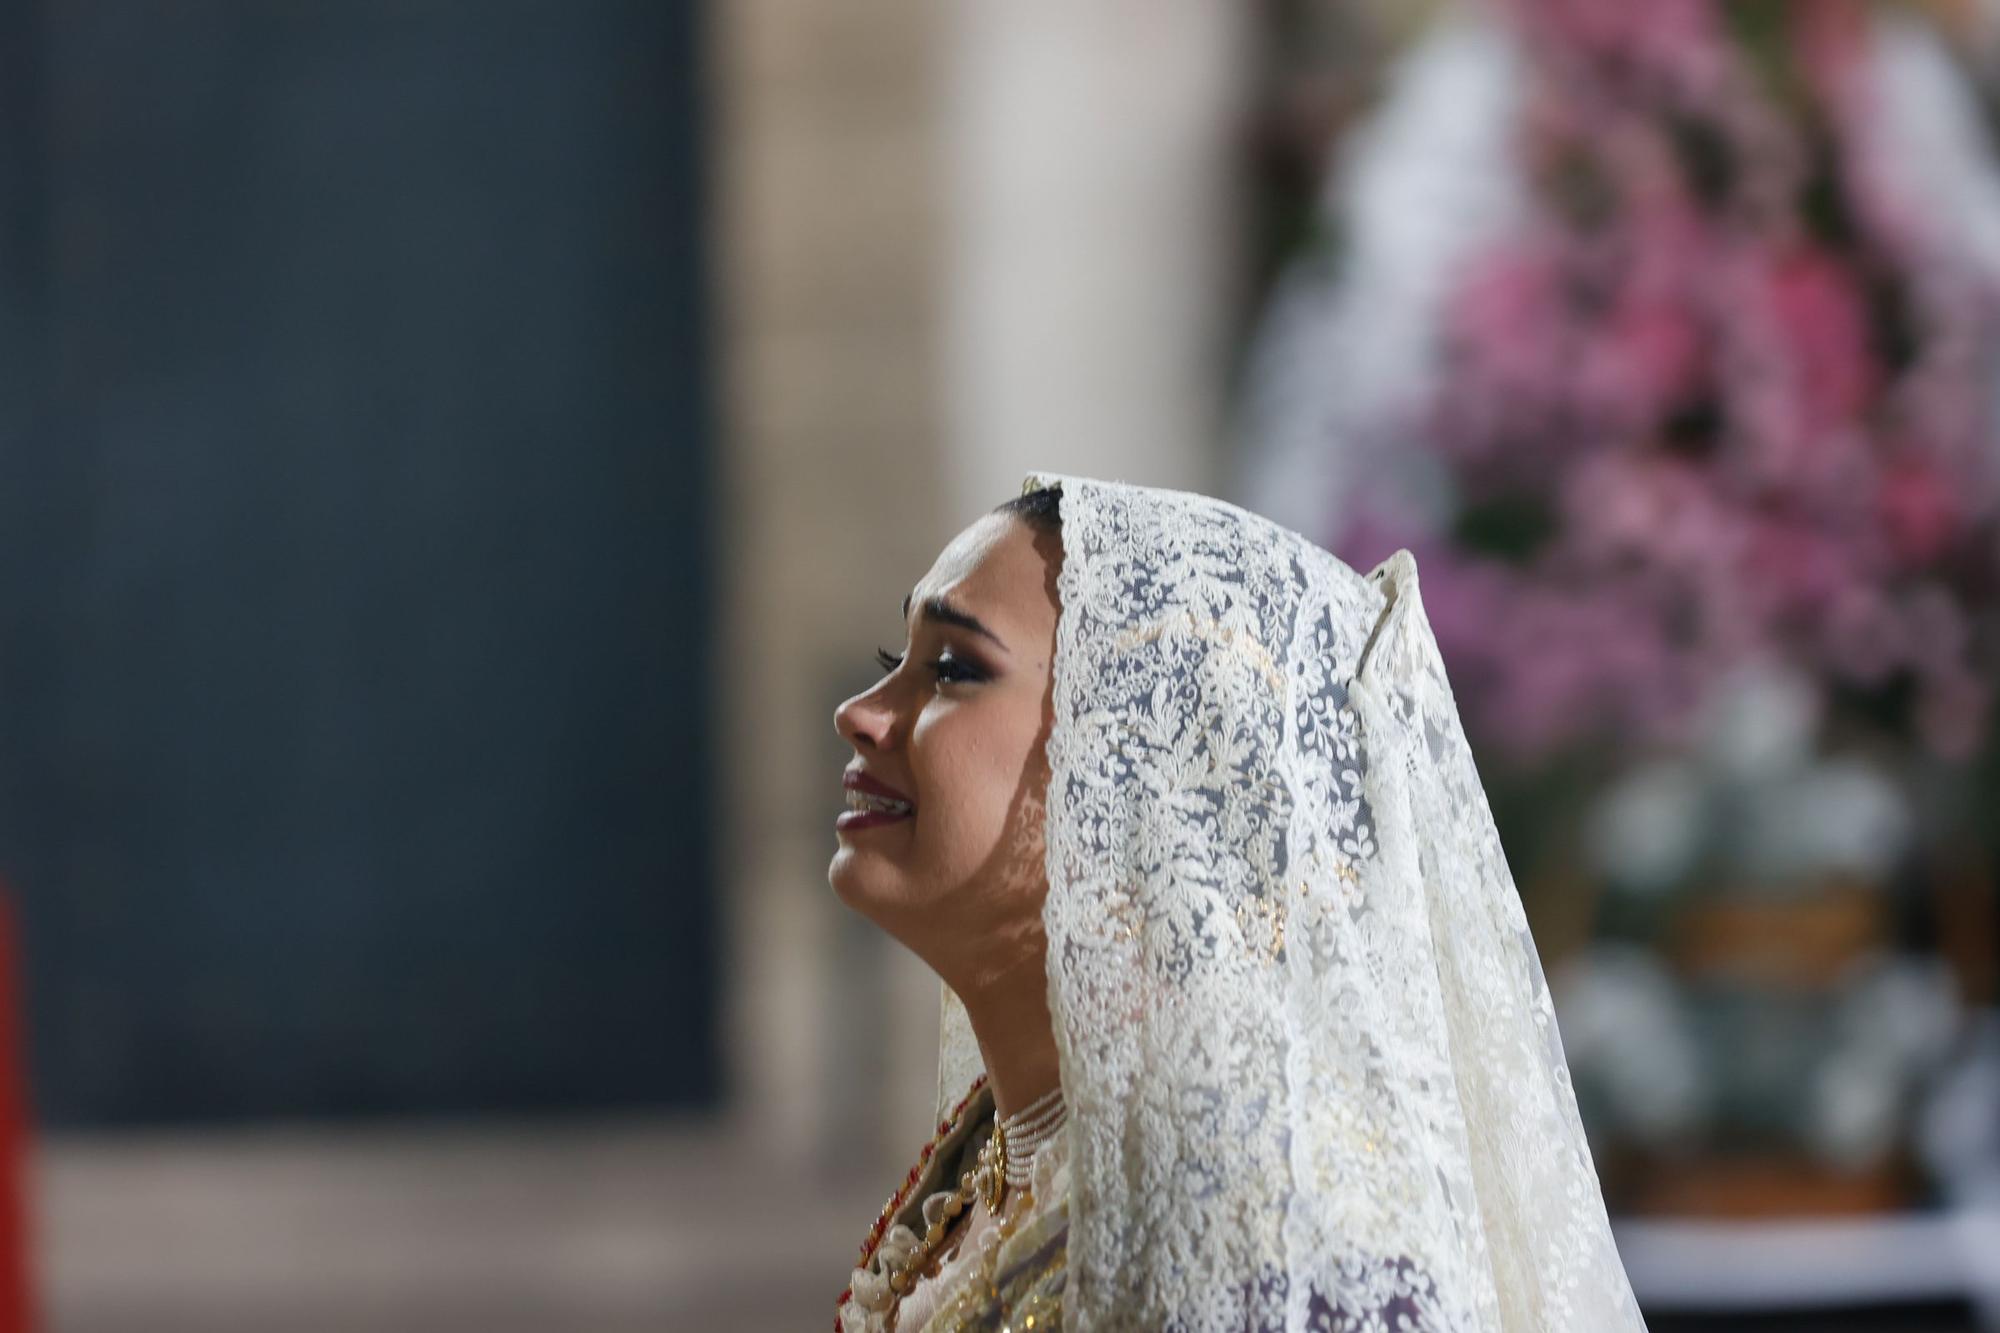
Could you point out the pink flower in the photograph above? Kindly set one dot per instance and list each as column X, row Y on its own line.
column 1824, row 326
column 1918, row 511
column 1798, row 569
column 1675, row 266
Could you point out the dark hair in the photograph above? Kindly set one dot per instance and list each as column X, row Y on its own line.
column 1039, row 509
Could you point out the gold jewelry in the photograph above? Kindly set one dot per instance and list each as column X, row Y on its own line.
column 876, row 1293
column 987, row 1178
column 994, row 1157
column 922, row 1260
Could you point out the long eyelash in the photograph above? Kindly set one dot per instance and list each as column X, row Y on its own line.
column 945, row 668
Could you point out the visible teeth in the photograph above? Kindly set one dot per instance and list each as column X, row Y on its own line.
column 861, row 800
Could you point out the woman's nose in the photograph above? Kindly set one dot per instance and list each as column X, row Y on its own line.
column 862, row 718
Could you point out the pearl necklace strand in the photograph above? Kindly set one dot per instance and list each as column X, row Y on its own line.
column 1026, row 1132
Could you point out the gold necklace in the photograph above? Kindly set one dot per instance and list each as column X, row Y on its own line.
column 922, row 1260
column 985, row 1178
column 871, row 1247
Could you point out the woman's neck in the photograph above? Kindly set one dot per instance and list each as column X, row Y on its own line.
column 1009, row 1011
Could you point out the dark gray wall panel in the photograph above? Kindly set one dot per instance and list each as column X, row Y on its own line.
column 357, row 560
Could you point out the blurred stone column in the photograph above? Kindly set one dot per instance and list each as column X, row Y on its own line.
column 826, row 188
column 954, row 242
column 1095, row 165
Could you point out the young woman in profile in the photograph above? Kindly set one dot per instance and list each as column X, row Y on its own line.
column 1242, row 1027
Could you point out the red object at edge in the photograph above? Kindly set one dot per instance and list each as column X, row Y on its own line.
column 17, row 1307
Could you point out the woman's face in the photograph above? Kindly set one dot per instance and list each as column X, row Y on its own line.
column 957, row 728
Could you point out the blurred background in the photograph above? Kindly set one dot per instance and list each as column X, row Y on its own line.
column 456, row 457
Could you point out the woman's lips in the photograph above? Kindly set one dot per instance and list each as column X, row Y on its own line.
column 855, row 780
column 868, row 814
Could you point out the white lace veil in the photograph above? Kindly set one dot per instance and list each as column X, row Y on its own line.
column 1313, row 1073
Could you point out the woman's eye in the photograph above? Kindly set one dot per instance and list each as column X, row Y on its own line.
column 947, row 668
column 950, row 668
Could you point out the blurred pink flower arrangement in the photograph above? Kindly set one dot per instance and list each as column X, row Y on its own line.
column 1727, row 396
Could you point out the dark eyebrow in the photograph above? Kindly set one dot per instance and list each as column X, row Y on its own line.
column 937, row 608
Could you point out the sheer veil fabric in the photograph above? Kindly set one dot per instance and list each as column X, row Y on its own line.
column 1313, row 1073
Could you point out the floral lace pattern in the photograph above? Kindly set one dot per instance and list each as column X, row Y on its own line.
column 1313, row 1073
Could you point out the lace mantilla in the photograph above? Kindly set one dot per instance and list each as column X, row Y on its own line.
column 1313, row 1073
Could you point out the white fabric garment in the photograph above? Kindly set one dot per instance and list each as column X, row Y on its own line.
column 1313, row 1074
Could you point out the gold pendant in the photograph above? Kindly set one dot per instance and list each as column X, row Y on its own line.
column 996, row 1171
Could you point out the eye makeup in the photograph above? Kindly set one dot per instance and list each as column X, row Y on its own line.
column 946, row 668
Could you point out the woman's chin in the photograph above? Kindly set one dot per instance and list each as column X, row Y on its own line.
column 858, row 877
